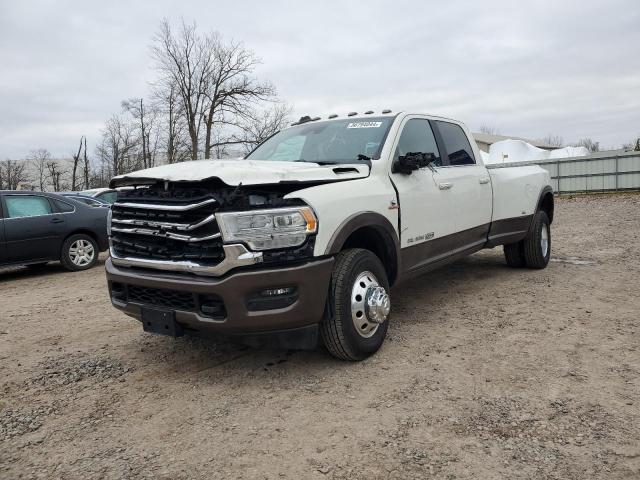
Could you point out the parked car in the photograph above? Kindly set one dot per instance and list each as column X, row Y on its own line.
column 91, row 201
column 108, row 195
column 304, row 238
column 36, row 228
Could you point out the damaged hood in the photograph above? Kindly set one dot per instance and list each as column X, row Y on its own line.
column 247, row 172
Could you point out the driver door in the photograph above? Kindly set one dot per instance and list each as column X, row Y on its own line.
column 426, row 211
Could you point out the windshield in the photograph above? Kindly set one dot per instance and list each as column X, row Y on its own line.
column 336, row 141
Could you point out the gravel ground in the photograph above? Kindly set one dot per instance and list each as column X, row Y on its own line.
column 487, row 372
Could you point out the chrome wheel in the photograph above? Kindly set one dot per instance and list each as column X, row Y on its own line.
column 544, row 240
column 370, row 304
column 81, row 253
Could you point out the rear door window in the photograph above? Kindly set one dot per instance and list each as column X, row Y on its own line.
column 64, row 207
column 19, row 206
column 87, row 201
column 456, row 144
column 417, row 137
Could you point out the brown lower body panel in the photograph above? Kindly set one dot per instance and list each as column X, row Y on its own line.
column 310, row 280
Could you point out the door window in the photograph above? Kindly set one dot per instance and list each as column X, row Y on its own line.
column 456, row 144
column 26, row 206
column 417, row 137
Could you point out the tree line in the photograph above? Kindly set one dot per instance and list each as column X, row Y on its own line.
column 204, row 101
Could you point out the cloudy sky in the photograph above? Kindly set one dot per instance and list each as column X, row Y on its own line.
column 565, row 67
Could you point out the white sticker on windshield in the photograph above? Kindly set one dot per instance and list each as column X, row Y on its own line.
column 364, row 125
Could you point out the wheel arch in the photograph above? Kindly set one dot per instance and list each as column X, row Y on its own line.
column 546, row 202
column 373, row 232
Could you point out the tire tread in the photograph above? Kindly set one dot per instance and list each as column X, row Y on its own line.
column 531, row 245
column 332, row 328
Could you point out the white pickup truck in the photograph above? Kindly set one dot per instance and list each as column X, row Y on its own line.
column 302, row 240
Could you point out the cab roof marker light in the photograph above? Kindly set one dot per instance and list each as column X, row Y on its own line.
column 352, row 114
column 368, row 112
column 333, row 115
column 302, row 120
column 386, row 110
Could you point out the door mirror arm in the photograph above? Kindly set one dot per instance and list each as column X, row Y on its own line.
column 413, row 161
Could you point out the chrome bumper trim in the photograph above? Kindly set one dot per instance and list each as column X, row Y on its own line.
column 235, row 255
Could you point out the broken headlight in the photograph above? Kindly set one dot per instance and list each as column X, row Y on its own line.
column 268, row 229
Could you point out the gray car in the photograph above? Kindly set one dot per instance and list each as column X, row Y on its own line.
column 37, row 227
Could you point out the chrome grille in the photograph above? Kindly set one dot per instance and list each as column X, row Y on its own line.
column 171, row 231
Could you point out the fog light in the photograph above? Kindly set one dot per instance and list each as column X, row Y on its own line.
column 272, row 299
column 277, row 292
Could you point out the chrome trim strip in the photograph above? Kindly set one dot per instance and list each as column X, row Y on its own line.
column 236, row 255
column 173, row 208
column 178, row 226
column 165, row 234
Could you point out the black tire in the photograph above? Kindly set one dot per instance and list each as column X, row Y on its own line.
column 66, row 254
column 514, row 254
column 338, row 332
column 534, row 254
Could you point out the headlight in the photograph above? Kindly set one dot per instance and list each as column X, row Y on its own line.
column 268, row 229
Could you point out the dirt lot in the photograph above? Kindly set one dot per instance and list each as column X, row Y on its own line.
column 487, row 372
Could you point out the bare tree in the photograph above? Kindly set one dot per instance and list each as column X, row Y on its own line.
column 255, row 127
column 260, row 125
column 213, row 82
column 185, row 60
column 633, row 145
column 231, row 91
column 86, row 166
column 74, row 170
column 588, row 144
column 118, row 144
column 56, row 173
column 12, row 174
column 488, row 130
column 553, row 140
column 145, row 116
column 172, row 129
column 38, row 159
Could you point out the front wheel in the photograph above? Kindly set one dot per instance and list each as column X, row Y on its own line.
column 79, row 252
column 358, row 306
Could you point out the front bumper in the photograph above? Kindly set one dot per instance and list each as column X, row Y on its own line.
column 237, row 292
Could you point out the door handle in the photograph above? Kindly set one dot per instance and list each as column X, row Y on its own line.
column 56, row 220
column 484, row 180
column 445, row 185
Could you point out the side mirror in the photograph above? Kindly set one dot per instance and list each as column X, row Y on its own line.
column 413, row 161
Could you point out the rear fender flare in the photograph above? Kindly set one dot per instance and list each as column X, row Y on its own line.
column 545, row 190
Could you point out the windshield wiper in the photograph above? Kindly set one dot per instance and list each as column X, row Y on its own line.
column 319, row 162
column 363, row 157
